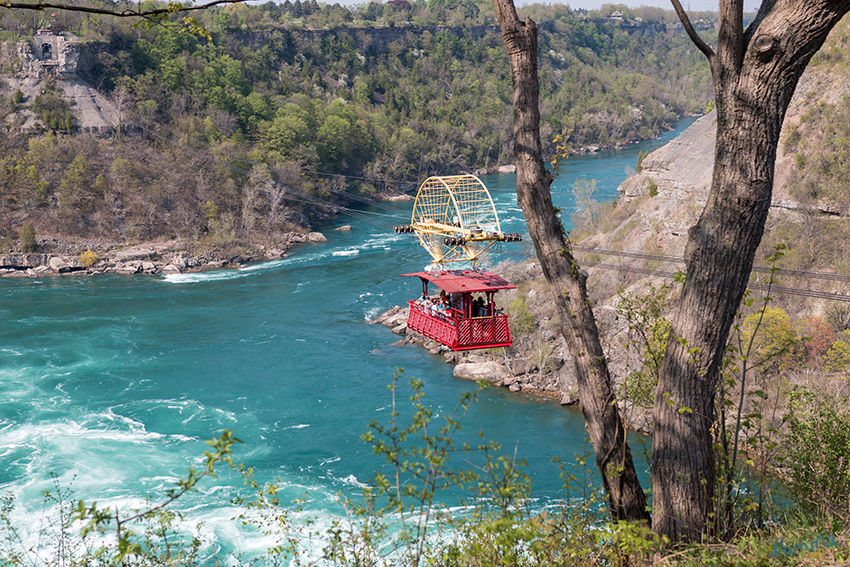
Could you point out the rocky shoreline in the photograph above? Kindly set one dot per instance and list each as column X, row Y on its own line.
column 539, row 363
column 170, row 257
column 497, row 366
column 512, row 368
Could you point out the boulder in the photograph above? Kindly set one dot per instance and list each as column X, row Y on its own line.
column 569, row 398
column 507, row 169
column 20, row 261
column 519, row 366
column 400, row 329
column 128, row 268
column 171, row 269
column 180, row 260
column 58, row 265
column 391, row 318
column 316, row 237
column 344, row 227
column 489, row 371
column 135, row 254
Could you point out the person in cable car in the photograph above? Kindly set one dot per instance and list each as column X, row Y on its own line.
column 446, row 309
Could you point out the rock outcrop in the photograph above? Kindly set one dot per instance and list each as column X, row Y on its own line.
column 156, row 258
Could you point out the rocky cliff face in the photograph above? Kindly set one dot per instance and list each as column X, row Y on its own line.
column 44, row 54
column 29, row 64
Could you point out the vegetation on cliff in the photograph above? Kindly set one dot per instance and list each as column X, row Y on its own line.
column 256, row 130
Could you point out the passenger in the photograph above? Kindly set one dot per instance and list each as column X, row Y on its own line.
column 481, row 308
column 441, row 310
column 446, row 307
column 432, row 308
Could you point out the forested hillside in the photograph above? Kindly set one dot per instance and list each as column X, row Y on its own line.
column 253, row 131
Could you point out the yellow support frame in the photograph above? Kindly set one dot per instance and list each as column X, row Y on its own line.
column 458, row 207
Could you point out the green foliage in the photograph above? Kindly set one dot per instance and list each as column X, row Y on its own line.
column 649, row 331
column 400, row 520
column 817, row 445
column 522, row 321
column 53, row 110
column 771, row 338
column 641, row 156
column 28, row 242
column 837, row 358
column 747, row 399
column 653, row 188
column 343, row 101
column 145, row 537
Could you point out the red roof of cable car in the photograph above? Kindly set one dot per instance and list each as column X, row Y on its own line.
column 460, row 281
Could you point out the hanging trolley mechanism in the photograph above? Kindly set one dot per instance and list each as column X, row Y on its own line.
column 456, row 221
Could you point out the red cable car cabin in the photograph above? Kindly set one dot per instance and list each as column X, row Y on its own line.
column 464, row 324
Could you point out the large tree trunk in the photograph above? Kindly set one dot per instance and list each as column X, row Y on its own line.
column 755, row 74
column 566, row 280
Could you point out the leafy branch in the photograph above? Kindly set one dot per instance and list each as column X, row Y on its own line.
column 102, row 520
column 154, row 16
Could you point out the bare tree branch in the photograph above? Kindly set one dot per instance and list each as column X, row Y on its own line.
column 701, row 45
column 172, row 8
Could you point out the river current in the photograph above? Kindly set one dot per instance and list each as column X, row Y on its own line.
column 111, row 384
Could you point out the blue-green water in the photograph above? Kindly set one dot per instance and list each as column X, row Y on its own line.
column 114, row 382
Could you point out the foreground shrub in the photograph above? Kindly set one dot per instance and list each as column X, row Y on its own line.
column 817, row 449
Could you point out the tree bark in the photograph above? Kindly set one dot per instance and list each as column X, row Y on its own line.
column 755, row 74
column 566, row 280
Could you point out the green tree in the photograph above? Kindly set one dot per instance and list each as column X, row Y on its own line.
column 75, row 184
column 290, row 129
column 772, row 337
column 837, row 358
column 28, row 242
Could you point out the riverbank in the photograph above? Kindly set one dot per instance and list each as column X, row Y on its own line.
column 499, row 366
column 80, row 257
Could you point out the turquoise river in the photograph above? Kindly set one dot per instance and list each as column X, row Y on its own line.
column 111, row 384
